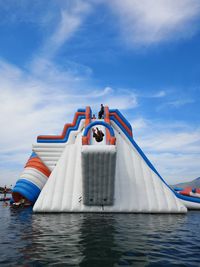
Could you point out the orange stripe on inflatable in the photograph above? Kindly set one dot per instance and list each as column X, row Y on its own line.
column 87, row 119
column 68, row 125
column 36, row 163
column 112, row 140
column 186, row 191
column 122, row 123
column 85, row 139
column 107, row 120
column 39, row 168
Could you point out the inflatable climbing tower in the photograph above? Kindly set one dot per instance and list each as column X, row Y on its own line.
column 74, row 173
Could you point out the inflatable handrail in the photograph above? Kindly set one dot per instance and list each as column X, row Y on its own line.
column 70, row 128
column 107, row 120
column 114, row 115
column 81, row 110
column 88, row 115
column 85, row 140
column 120, row 115
column 68, row 125
column 79, row 115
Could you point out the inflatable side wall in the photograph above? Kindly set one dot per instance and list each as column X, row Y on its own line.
column 109, row 176
column 32, row 180
column 45, row 155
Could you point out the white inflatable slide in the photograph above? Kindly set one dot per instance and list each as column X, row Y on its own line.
column 109, row 176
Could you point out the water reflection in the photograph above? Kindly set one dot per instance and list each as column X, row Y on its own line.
column 99, row 239
column 97, row 242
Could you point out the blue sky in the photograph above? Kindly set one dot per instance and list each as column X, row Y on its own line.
column 142, row 57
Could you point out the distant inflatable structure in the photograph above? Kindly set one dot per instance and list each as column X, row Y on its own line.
column 74, row 173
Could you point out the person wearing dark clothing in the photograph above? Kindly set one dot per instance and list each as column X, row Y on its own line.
column 5, row 191
column 98, row 135
column 101, row 112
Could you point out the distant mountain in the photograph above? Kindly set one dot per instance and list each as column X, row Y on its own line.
column 193, row 183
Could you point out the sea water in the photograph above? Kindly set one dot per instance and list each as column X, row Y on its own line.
column 28, row 239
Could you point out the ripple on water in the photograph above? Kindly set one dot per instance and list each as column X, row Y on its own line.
column 98, row 239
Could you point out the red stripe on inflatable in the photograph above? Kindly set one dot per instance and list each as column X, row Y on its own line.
column 68, row 125
column 87, row 119
column 107, row 120
column 122, row 123
column 186, row 191
column 85, row 139
column 36, row 163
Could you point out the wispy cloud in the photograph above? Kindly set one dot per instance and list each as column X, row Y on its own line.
column 41, row 104
column 179, row 102
column 174, row 148
column 159, row 94
column 69, row 22
column 148, row 22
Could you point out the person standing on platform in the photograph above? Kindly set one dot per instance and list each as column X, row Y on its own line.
column 101, row 112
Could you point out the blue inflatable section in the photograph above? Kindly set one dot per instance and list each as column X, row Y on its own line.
column 33, row 155
column 92, row 124
column 69, row 130
column 188, row 198
column 178, row 189
column 27, row 189
column 81, row 110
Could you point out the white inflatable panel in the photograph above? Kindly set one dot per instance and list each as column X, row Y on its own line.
column 58, row 193
column 137, row 187
column 191, row 205
column 34, row 176
column 50, row 153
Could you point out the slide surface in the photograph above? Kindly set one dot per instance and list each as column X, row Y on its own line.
column 135, row 187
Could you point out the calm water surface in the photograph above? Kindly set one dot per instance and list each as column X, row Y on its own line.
column 29, row 239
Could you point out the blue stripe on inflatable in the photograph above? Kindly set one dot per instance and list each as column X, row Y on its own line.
column 90, row 113
column 27, row 189
column 81, row 110
column 139, row 150
column 33, row 155
column 188, row 198
column 122, row 117
column 89, row 126
column 178, row 189
column 69, row 130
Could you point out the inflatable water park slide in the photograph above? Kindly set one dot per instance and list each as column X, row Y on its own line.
column 189, row 196
column 72, row 172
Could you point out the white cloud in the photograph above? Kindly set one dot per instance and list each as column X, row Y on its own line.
column 159, row 94
column 176, row 103
column 176, row 168
column 180, row 102
column 148, row 22
column 174, row 148
column 139, row 123
column 33, row 104
column 70, row 21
